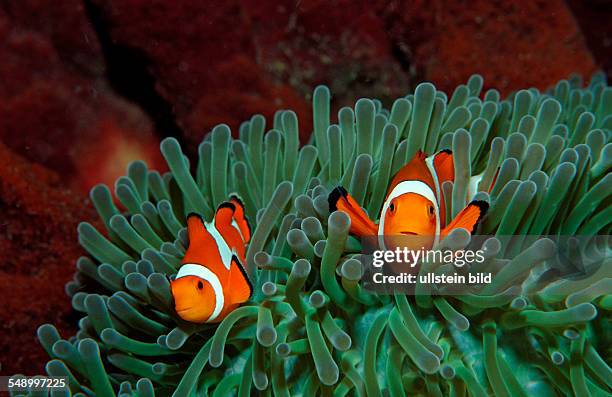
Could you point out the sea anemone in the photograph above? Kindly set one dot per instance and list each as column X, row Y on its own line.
column 310, row 327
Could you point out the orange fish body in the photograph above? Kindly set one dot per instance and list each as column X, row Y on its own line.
column 414, row 205
column 211, row 281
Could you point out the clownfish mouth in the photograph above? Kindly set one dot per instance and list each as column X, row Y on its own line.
column 183, row 309
column 409, row 233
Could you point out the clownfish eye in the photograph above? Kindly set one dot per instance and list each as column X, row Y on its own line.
column 200, row 285
column 392, row 207
column 431, row 210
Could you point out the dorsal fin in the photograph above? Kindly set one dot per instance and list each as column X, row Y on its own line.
column 198, row 235
column 229, row 231
column 444, row 166
column 441, row 164
column 203, row 248
column 240, row 218
column 415, row 170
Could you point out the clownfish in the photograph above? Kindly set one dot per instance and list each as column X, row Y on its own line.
column 414, row 203
column 212, row 281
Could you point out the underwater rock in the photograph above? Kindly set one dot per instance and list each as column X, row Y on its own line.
column 65, row 28
column 592, row 16
column 38, row 217
column 81, row 129
column 499, row 40
column 221, row 64
column 275, row 52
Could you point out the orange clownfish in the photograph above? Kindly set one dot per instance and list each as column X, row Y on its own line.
column 413, row 203
column 211, row 281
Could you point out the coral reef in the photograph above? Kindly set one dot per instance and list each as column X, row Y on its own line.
column 498, row 40
column 270, row 59
column 310, row 328
column 38, row 220
column 82, row 129
column 80, row 65
column 93, row 112
column 589, row 15
column 276, row 52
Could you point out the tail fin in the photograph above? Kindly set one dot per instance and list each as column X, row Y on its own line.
column 468, row 218
column 361, row 224
column 230, row 214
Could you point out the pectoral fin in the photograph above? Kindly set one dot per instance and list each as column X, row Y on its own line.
column 468, row 218
column 361, row 224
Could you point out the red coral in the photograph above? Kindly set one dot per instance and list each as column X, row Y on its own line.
column 512, row 44
column 222, row 62
column 56, row 109
column 594, row 19
column 38, row 241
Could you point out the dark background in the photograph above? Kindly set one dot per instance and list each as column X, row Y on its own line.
column 88, row 85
